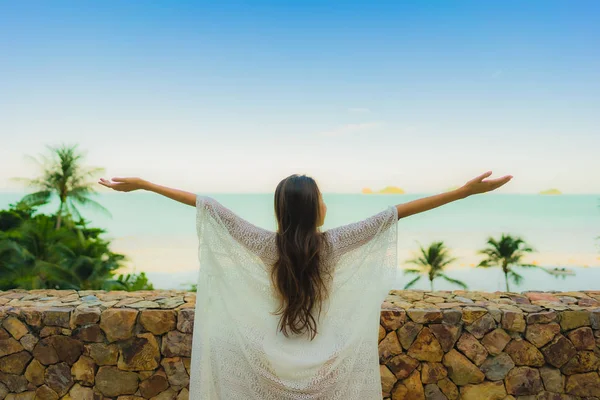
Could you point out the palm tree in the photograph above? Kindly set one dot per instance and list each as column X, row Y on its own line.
column 506, row 253
column 63, row 176
column 431, row 262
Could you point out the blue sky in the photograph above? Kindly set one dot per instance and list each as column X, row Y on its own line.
column 234, row 96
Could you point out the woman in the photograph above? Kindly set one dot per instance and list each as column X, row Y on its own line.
column 292, row 314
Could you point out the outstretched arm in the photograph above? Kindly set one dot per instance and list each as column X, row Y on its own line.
column 131, row 184
column 474, row 186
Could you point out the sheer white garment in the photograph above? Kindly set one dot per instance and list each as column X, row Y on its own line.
column 237, row 351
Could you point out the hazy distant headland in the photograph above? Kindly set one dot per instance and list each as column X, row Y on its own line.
column 385, row 190
column 551, row 192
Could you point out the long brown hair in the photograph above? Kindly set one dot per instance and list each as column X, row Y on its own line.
column 296, row 274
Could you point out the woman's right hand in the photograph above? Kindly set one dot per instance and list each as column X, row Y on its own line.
column 480, row 185
column 124, row 184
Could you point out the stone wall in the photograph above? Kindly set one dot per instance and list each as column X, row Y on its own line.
column 95, row 345
column 490, row 346
column 435, row 346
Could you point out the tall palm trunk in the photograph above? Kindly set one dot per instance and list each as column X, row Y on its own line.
column 505, row 269
column 59, row 214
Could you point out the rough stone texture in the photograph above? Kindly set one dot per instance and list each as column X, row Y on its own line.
column 522, row 381
column 175, row 343
column 483, row 391
column 103, row 354
column 583, row 385
column 89, row 333
column 84, row 371
column 158, row 383
column 388, row 380
column 81, row 393
column 111, row 381
column 584, row 361
column 524, row 353
column 176, row 372
column 97, row 345
column 388, row 347
column 471, row 348
column 559, row 351
column 449, row 389
column 553, row 380
column 433, row 372
column 496, row 368
column 44, row 392
column 58, row 378
column 482, row 326
column 496, row 341
column 402, row 365
column 158, row 321
column 15, row 327
column 15, row 363
column 139, row 354
column 426, row 347
column 447, row 335
column 392, row 319
column 513, row 321
column 433, row 392
column 118, row 324
column 460, row 370
column 408, row 332
column 541, row 334
column 35, row 373
column 582, row 338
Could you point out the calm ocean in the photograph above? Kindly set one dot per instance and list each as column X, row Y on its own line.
column 158, row 235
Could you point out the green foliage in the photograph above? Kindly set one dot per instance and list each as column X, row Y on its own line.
column 132, row 282
column 34, row 254
column 506, row 253
column 431, row 263
column 63, row 177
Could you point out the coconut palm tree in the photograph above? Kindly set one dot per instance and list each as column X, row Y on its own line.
column 508, row 252
column 431, row 263
column 64, row 177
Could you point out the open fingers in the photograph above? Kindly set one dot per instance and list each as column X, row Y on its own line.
column 496, row 183
column 481, row 177
column 108, row 184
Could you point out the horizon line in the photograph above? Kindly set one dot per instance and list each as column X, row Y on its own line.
column 12, row 191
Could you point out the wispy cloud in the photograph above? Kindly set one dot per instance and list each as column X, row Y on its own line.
column 359, row 110
column 497, row 74
column 352, row 128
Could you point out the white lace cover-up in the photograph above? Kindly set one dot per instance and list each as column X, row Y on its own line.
column 237, row 351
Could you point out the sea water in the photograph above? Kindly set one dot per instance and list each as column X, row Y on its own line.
column 158, row 235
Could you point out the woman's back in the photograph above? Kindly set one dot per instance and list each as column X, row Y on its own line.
column 239, row 352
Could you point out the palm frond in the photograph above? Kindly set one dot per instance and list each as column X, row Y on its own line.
column 486, row 264
column 86, row 201
column 410, row 271
column 516, row 278
column 37, row 199
column 447, row 262
column 528, row 265
column 411, row 283
column 454, row 281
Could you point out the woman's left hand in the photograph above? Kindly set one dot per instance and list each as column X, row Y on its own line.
column 483, row 185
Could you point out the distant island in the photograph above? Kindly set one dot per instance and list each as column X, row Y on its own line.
column 385, row 190
column 551, row 192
